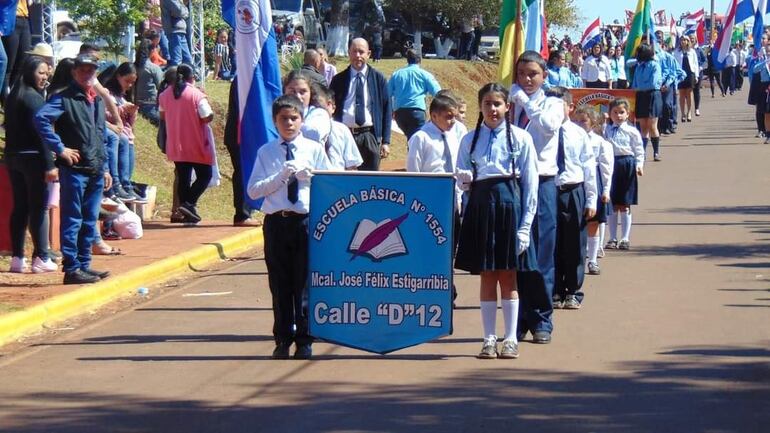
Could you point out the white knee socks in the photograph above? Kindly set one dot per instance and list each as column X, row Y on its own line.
column 602, row 228
column 613, row 222
column 625, row 221
column 510, row 317
column 488, row 318
column 593, row 249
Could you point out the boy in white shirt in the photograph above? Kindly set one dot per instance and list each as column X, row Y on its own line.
column 281, row 175
column 340, row 145
column 576, row 203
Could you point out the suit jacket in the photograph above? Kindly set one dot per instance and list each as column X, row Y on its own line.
column 379, row 100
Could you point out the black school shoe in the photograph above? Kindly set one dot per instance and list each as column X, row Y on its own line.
column 281, row 351
column 190, row 212
column 304, row 351
column 101, row 274
column 80, row 277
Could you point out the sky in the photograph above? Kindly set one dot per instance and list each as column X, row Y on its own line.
column 609, row 10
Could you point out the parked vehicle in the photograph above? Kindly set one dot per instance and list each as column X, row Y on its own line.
column 490, row 42
column 302, row 15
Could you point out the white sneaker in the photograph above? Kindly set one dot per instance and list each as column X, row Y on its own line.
column 18, row 264
column 40, row 266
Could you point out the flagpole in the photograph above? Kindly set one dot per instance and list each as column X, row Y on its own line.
column 713, row 22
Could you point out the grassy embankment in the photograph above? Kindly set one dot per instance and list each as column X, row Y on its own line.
column 152, row 168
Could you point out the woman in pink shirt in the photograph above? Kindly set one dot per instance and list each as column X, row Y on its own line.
column 187, row 112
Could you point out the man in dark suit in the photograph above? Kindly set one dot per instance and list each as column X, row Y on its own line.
column 363, row 104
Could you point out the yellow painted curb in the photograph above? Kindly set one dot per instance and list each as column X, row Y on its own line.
column 30, row 320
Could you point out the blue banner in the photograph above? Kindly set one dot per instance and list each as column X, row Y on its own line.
column 380, row 259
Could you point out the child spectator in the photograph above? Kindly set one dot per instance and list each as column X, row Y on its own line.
column 281, row 175
column 223, row 69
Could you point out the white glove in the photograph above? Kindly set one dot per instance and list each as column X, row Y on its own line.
column 522, row 238
column 304, row 174
column 520, row 97
column 464, row 179
column 287, row 171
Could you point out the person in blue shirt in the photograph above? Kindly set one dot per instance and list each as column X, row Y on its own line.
column 672, row 75
column 647, row 82
column 408, row 87
column 7, row 25
column 558, row 74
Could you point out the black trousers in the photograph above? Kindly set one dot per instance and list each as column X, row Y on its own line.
column 410, row 120
column 571, row 242
column 369, row 148
column 30, row 200
column 597, row 85
column 16, row 45
column 696, row 91
column 728, row 79
column 189, row 192
column 714, row 76
column 286, row 243
column 738, row 78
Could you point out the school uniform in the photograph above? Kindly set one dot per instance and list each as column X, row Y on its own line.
column 502, row 200
column 559, row 77
column 316, row 124
column 459, row 130
column 286, row 205
column 688, row 61
column 647, row 81
column 596, row 72
column 618, row 68
column 576, row 185
column 341, row 148
column 728, row 72
column 542, row 117
column 629, row 154
column 605, row 164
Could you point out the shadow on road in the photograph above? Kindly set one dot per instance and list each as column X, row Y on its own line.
column 699, row 389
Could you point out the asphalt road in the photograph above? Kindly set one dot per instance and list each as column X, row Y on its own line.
column 674, row 336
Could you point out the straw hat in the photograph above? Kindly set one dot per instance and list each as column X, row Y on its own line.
column 42, row 50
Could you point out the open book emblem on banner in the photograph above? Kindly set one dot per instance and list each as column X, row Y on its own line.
column 378, row 240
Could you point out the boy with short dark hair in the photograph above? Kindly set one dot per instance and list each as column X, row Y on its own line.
column 575, row 204
column 281, row 175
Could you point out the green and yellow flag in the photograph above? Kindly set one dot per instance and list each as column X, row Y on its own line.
column 511, row 39
column 642, row 25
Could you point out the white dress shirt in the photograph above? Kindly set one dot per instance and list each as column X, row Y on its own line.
column 349, row 109
column 342, row 150
column 265, row 176
column 626, row 141
column 429, row 154
column 493, row 157
column 731, row 60
column 605, row 159
column 317, row 125
column 546, row 115
column 459, row 130
column 579, row 162
column 596, row 69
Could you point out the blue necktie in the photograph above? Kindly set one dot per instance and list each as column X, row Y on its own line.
column 360, row 105
column 292, row 187
column 560, row 152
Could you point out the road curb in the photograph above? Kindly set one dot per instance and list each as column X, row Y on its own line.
column 61, row 307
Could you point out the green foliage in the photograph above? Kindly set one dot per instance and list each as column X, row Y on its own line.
column 212, row 23
column 561, row 13
column 106, row 19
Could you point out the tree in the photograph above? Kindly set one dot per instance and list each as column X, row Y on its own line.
column 337, row 38
column 106, row 19
column 562, row 13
